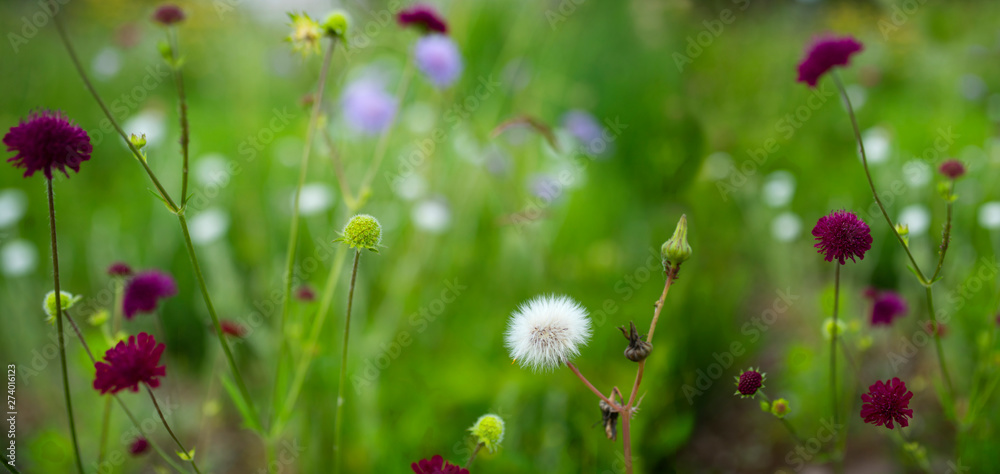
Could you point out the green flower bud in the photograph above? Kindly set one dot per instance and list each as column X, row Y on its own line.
column 362, row 232
column 676, row 250
column 780, row 408
column 336, row 24
column 138, row 140
column 764, row 406
column 488, row 430
column 66, row 300
column 829, row 328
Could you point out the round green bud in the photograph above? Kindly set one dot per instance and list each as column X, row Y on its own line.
column 362, row 232
column 336, row 24
column 780, row 408
column 829, row 328
column 66, row 300
column 488, row 430
column 676, row 250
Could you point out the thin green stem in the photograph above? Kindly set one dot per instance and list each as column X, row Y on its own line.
column 339, row 420
column 589, row 385
column 338, row 170
column 167, row 426
column 11, row 468
column 871, row 183
column 116, row 315
column 90, row 87
column 215, row 321
column 838, row 459
column 135, row 422
column 946, row 236
column 468, row 463
column 383, row 143
column 59, row 326
column 949, row 408
column 182, row 101
column 293, row 232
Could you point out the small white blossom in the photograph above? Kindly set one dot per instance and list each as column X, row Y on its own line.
column 547, row 330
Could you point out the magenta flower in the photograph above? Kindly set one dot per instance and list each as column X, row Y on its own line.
column 139, row 446
column 119, row 269
column 749, row 382
column 887, row 402
column 168, row 14
column 436, row 465
column 128, row 365
column 232, row 328
column 888, row 305
column 305, row 293
column 438, row 58
column 46, row 141
column 423, row 16
column 841, row 235
column 145, row 290
column 953, row 169
column 825, row 53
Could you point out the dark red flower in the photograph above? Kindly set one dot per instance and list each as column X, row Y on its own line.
column 305, row 293
column 825, row 53
column 232, row 328
column 119, row 269
column 436, row 465
column 841, row 235
column 46, row 141
column 423, row 16
column 953, row 169
column 139, row 446
column 128, row 365
column 887, row 402
column 145, row 290
column 168, row 14
column 888, row 306
column 749, row 382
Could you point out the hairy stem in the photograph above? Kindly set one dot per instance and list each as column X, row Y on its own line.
column 474, row 453
column 59, row 326
column 167, row 426
column 946, row 236
column 834, row 332
column 589, row 385
column 339, row 420
column 293, row 233
column 182, row 101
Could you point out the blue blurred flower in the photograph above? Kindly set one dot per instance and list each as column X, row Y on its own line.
column 587, row 130
column 438, row 58
column 367, row 108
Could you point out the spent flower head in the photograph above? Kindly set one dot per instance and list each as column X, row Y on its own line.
column 306, row 34
column 48, row 141
column 145, row 290
column 126, row 365
column 488, row 430
column 547, row 331
column 824, row 54
column 842, row 235
column 887, row 402
column 637, row 349
column 362, row 232
column 749, row 382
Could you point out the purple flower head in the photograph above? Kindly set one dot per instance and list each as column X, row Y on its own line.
column 119, row 269
column 841, row 235
column 139, row 446
column 367, row 108
column 168, row 14
column 46, row 141
column 436, row 465
column 128, row 365
column 438, row 58
column 749, row 382
column 953, row 169
column 887, row 402
column 423, row 16
column 587, row 130
column 888, row 305
column 825, row 53
column 145, row 290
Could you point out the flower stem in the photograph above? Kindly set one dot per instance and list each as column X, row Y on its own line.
column 338, row 170
column 589, row 385
column 383, row 143
column 834, row 332
column 116, row 314
column 182, row 101
column 946, row 236
column 59, row 326
column 474, row 453
column 293, row 233
column 868, row 174
column 339, row 420
column 949, row 408
column 167, row 426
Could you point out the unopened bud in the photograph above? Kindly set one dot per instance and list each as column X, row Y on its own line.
column 780, row 408
column 138, row 140
column 676, row 250
column 335, row 24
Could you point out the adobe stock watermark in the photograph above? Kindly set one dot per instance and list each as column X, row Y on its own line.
column 807, row 449
column 752, row 330
column 114, row 459
column 909, row 346
column 419, row 321
column 785, row 128
column 47, row 9
column 713, row 29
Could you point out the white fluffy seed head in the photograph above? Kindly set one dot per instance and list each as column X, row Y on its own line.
column 546, row 330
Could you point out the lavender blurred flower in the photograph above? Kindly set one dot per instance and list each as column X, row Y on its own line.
column 438, row 58
column 367, row 108
column 825, row 53
column 145, row 290
column 48, row 140
column 587, row 130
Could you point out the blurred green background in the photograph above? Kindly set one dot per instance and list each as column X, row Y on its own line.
column 500, row 218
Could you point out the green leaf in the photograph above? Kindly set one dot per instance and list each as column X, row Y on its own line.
column 188, row 456
column 241, row 406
